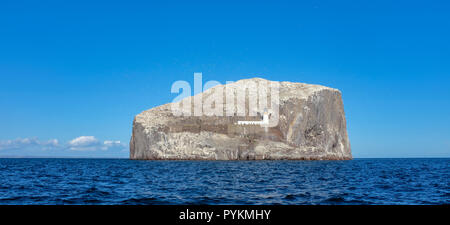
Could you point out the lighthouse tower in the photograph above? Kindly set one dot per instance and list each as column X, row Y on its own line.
column 265, row 120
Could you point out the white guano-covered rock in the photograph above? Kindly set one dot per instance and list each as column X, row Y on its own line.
column 311, row 125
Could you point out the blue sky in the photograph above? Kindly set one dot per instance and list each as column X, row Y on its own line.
column 73, row 74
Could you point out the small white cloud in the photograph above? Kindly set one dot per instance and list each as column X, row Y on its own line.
column 33, row 146
column 113, row 145
column 90, row 143
column 22, row 143
column 84, row 141
column 53, row 142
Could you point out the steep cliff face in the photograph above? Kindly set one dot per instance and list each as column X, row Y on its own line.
column 309, row 124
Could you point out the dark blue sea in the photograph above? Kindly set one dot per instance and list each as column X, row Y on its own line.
column 122, row 181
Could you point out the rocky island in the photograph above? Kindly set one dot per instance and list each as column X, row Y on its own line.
column 306, row 122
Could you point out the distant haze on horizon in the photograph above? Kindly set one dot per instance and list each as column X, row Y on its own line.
column 74, row 74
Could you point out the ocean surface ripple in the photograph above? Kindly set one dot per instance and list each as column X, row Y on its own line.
column 122, row 181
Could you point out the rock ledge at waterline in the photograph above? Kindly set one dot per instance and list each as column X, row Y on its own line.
column 311, row 126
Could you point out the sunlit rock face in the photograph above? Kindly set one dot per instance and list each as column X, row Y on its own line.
column 308, row 124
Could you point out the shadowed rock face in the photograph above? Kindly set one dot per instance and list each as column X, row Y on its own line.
column 311, row 126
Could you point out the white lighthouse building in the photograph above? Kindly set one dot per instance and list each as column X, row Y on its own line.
column 263, row 122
